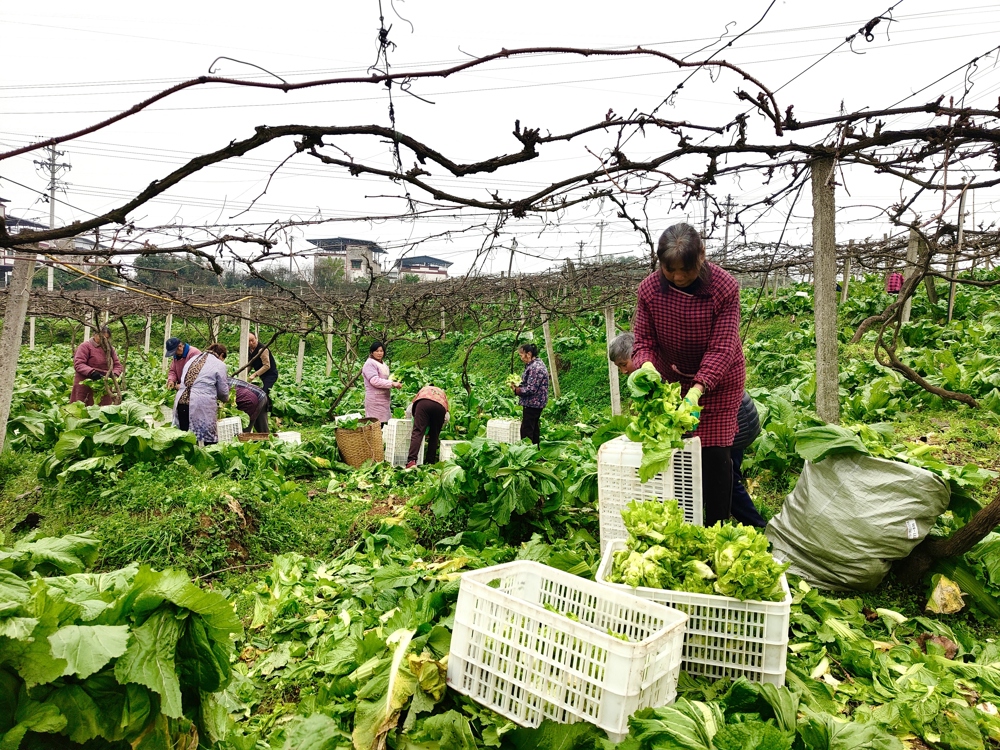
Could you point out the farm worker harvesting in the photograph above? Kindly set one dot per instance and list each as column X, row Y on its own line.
column 203, row 384
column 430, row 411
column 90, row 362
column 262, row 364
column 748, row 422
column 532, row 392
column 378, row 384
column 181, row 353
column 252, row 401
column 687, row 323
column 894, row 282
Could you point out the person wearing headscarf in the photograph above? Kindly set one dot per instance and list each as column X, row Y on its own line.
column 203, row 385
column 90, row 362
column 180, row 353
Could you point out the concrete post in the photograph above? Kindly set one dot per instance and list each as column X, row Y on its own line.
column 611, row 331
column 825, row 291
column 167, row 325
column 244, row 335
column 912, row 250
column 300, row 359
column 149, row 330
column 329, row 345
column 15, row 312
column 846, row 283
column 553, row 374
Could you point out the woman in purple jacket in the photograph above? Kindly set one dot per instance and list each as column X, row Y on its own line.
column 533, row 392
column 378, row 384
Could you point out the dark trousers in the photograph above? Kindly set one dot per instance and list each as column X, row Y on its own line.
column 184, row 417
column 258, row 417
column 530, row 427
column 428, row 416
column 743, row 509
column 716, row 483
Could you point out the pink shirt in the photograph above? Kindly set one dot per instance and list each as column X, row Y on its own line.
column 177, row 365
column 378, row 390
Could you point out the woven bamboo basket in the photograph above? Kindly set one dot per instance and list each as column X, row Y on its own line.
column 362, row 444
column 249, row 437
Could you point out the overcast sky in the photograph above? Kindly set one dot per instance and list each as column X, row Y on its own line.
column 67, row 65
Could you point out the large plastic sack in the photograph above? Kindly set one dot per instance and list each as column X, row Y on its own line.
column 851, row 515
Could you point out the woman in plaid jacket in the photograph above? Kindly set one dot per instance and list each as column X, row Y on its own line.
column 687, row 323
column 533, row 392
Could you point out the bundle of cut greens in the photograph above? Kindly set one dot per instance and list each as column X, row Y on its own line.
column 661, row 419
column 664, row 552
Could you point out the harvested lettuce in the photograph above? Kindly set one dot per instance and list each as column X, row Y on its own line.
column 664, row 552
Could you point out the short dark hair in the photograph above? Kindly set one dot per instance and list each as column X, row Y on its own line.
column 529, row 349
column 376, row 345
column 680, row 245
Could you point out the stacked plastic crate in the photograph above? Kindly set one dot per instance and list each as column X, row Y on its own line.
column 618, row 484
column 725, row 637
column 396, row 439
column 534, row 643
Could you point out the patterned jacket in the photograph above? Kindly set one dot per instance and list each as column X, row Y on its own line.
column 534, row 385
column 695, row 338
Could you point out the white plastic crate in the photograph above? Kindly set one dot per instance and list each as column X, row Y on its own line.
column 528, row 663
column 447, row 448
column 504, row 430
column 227, row 429
column 618, row 484
column 725, row 637
column 396, row 440
column 289, row 437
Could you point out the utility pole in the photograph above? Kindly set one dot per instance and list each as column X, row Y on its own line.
column 704, row 216
column 600, row 241
column 53, row 169
column 580, row 243
column 513, row 249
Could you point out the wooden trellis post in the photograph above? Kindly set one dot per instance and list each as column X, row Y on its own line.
column 553, row 374
column 611, row 331
column 167, row 325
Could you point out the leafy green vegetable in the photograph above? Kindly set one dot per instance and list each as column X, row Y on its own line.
column 664, row 552
column 661, row 420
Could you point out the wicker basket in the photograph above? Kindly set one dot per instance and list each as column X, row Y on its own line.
column 362, row 444
column 250, row 437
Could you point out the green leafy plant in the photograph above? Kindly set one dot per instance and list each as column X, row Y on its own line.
column 661, row 419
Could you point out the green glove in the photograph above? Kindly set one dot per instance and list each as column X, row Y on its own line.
column 692, row 398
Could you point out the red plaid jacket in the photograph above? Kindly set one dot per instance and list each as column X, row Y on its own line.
column 695, row 338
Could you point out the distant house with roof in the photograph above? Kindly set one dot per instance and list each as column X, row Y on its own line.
column 359, row 258
column 424, row 267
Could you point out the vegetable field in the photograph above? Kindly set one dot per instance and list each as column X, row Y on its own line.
column 264, row 595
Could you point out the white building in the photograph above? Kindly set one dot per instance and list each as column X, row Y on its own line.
column 424, row 267
column 359, row 257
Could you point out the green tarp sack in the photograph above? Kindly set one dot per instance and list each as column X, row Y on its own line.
column 850, row 515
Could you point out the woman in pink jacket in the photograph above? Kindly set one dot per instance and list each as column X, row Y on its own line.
column 378, row 384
